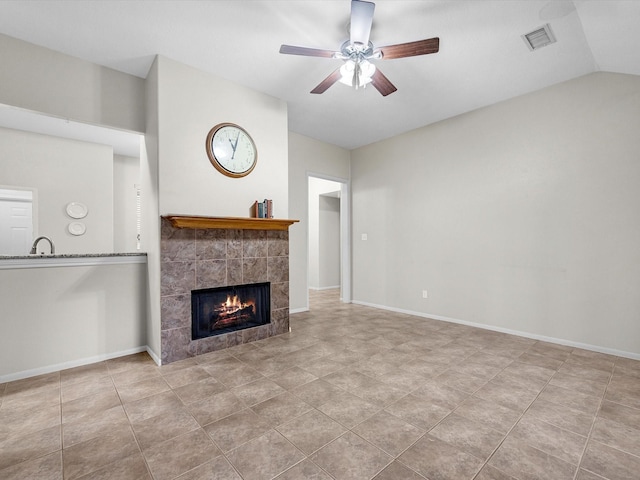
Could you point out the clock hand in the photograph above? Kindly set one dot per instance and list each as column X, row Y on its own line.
column 234, row 146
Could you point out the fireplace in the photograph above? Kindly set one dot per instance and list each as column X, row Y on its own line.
column 215, row 311
column 219, row 252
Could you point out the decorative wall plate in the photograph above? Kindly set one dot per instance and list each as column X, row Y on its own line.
column 77, row 228
column 77, row 210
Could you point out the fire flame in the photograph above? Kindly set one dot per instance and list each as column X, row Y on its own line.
column 232, row 302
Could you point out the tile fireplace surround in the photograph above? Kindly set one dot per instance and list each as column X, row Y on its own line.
column 195, row 258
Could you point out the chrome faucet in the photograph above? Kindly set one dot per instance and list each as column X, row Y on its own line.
column 35, row 244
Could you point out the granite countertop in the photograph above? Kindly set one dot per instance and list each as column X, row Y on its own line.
column 71, row 255
column 10, row 262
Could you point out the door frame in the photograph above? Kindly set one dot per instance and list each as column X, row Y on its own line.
column 345, row 234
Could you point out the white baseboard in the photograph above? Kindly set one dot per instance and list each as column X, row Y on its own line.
column 153, row 356
column 559, row 341
column 319, row 289
column 10, row 377
column 299, row 310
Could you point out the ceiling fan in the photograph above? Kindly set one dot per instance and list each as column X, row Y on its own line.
column 358, row 51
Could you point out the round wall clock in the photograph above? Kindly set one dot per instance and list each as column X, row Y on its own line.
column 231, row 150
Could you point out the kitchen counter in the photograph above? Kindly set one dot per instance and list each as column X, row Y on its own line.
column 69, row 260
column 86, row 308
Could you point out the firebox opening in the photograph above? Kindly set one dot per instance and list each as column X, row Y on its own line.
column 225, row 309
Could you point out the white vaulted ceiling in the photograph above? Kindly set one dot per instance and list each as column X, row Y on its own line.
column 482, row 58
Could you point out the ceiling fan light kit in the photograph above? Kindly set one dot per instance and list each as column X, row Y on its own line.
column 357, row 74
column 358, row 52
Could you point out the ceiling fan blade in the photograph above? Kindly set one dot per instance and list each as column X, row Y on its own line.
column 411, row 49
column 307, row 52
column 382, row 83
column 361, row 20
column 327, row 82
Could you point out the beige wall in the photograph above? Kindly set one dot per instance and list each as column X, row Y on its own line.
column 191, row 102
column 521, row 216
column 183, row 104
column 150, row 215
column 63, row 171
column 77, row 315
column 104, row 300
column 42, row 80
column 307, row 155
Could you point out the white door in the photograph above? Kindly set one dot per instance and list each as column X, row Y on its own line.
column 16, row 225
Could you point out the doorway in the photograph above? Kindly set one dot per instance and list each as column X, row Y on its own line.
column 328, row 237
column 16, row 221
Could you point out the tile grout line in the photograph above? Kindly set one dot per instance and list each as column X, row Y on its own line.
column 61, row 429
column 520, row 418
column 593, row 423
column 452, row 412
column 347, row 429
column 135, row 438
column 486, row 462
column 445, row 417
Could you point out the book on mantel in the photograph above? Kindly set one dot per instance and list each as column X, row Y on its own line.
column 263, row 209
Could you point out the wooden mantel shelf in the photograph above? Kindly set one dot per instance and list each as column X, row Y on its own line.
column 240, row 223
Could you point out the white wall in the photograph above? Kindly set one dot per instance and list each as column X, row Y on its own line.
column 191, row 102
column 73, row 315
column 307, row 155
column 42, row 80
column 126, row 176
column 520, row 216
column 63, row 171
column 324, row 235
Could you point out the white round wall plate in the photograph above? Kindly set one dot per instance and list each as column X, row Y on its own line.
column 77, row 228
column 77, row 210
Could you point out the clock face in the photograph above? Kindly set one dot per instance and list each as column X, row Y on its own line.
column 231, row 150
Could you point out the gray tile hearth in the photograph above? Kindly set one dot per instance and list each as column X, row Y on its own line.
column 351, row 393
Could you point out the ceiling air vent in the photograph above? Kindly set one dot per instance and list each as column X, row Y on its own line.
column 540, row 37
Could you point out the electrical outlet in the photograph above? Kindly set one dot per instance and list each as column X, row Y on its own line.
column 364, row 236
column 424, row 294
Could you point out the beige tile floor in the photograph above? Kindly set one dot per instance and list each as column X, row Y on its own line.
column 351, row 393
